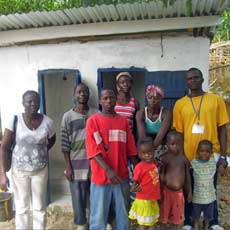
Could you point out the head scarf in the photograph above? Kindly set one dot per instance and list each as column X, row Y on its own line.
column 154, row 89
column 124, row 74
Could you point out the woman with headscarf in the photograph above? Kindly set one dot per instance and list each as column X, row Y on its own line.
column 34, row 136
column 126, row 104
column 154, row 120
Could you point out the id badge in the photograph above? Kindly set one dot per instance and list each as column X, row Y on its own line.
column 198, row 129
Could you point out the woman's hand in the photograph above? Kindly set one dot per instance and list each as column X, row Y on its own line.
column 3, row 181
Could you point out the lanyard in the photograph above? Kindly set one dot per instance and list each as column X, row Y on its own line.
column 194, row 109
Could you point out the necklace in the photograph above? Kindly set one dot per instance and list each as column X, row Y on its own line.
column 31, row 125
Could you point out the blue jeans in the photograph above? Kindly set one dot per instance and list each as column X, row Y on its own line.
column 101, row 198
column 80, row 200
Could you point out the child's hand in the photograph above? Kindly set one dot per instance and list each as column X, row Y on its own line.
column 189, row 197
column 135, row 187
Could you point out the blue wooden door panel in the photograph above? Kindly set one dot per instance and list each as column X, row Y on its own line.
column 173, row 83
column 106, row 78
column 100, row 83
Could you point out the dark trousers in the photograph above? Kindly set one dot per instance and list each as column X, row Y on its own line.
column 80, row 200
column 188, row 208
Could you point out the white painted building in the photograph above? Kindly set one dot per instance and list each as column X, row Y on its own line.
column 47, row 50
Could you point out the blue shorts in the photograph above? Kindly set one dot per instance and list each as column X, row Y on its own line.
column 207, row 209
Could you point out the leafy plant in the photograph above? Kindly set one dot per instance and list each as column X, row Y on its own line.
column 223, row 33
column 24, row 6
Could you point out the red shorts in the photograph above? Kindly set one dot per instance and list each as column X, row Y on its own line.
column 172, row 207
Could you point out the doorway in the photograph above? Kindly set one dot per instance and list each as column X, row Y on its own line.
column 107, row 79
column 56, row 91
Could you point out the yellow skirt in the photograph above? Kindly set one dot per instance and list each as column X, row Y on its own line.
column 146, row 212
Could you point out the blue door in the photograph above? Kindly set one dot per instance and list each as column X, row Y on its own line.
column 173, row 83
column 106, row 78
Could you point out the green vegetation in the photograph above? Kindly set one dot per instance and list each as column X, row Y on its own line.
column 223, row 33
column 25, row 6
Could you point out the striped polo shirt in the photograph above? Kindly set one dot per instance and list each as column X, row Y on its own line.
column 73, row 141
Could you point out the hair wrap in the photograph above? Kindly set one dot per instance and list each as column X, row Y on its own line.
column 124, row 74
column 154, row 89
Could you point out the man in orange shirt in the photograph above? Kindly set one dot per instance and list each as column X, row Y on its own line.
column 201, row 115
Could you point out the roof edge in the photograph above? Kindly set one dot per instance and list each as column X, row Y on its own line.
column 112, row 28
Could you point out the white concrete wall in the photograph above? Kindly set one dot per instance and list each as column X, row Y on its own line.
column 20, row 64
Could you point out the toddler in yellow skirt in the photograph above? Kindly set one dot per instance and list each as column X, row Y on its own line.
column 147, row 187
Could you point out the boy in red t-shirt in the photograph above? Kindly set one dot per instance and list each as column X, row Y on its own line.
column 109, row 143
column 147, row 187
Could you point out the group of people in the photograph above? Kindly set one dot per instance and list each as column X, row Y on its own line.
column 175, row 171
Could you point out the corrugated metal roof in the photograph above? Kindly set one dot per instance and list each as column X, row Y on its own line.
column 107, row 13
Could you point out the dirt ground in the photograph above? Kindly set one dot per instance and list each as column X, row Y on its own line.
column 223, row 193
column 58, row 219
